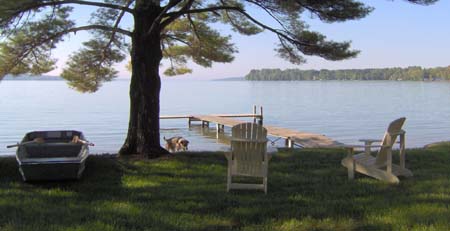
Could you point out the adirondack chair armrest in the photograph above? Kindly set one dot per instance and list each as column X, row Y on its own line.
column 351, row 149
column 249, row 140
column 369, row 140
column 351, row 146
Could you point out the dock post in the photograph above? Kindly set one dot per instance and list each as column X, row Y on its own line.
column 189, row 122
column 205, row 124
column 260, row 122
column 254, row 114
column 217, row 130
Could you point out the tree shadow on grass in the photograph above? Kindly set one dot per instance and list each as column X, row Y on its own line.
column 308, row 190
column 96, row 202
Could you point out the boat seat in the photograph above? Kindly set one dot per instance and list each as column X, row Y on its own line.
column 47, row 150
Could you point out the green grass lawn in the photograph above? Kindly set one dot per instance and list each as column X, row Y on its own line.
column 308, row 190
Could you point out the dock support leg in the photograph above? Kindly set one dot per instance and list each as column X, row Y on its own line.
column 189, row 122
column 205, row 124
column 289, row 143
column 219, row 128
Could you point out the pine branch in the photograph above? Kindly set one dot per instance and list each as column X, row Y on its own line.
column 158, row 19
column 33, row 46
column 173, row 15
column 38, row 5
column 194, row 27
column 173, row 37
column 95, row 27
column 243, row 12
column 116, row 25
column 269, row 12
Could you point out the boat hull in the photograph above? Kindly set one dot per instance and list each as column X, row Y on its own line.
column 45, row 171
column 57, row 158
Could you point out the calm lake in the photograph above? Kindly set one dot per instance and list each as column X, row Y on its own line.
column 343, row 110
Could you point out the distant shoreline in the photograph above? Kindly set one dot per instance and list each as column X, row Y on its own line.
column 30, row 77
column 414, row 73
column 44, row 78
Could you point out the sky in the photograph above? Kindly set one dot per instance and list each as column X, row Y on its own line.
column 395, row 34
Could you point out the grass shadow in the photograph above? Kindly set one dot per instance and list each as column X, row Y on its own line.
column 308, row 190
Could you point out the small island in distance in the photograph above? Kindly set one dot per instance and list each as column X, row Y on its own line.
column 413, row 73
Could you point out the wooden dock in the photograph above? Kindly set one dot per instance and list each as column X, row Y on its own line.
column 292, row 137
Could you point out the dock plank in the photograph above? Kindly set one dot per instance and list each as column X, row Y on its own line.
column 175, row 117
column 305, row 139
column 238, row 115
column 218, row 120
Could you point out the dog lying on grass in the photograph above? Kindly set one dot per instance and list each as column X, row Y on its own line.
column 176, row 144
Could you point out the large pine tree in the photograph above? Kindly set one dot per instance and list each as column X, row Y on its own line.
column 177, row 30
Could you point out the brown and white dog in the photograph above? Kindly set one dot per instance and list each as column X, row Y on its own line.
column 176, row 143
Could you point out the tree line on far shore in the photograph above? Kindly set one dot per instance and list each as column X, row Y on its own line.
column 413, row 73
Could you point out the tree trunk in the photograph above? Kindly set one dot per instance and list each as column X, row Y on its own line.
column 143, row 129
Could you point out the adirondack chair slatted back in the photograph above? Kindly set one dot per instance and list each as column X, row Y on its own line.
column 390, row 136
column 248, row 148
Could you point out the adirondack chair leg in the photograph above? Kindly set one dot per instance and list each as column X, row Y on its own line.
column 351, row 167
column 229, row 176
column 265, row 184
column 389, row 161
column 351, row 171
column 229, row 181
column 402, row 151
column 367, row 148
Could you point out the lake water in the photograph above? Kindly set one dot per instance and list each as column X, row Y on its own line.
column 345, row 111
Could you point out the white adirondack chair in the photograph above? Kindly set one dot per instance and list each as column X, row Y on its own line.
column 248, row 155
column 381, row 166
